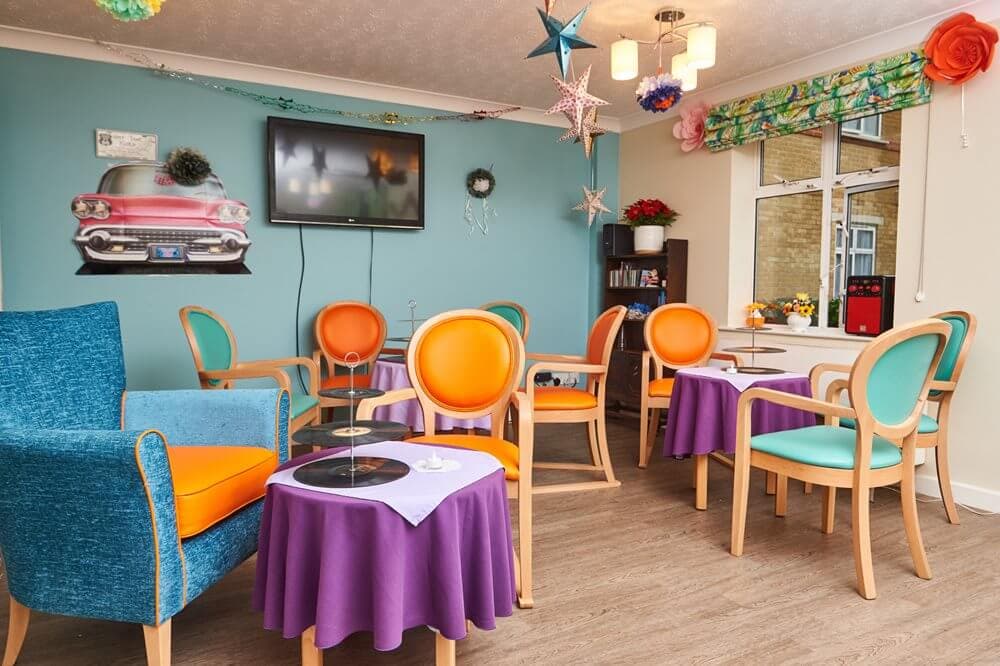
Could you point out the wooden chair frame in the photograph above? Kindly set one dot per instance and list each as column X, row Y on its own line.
column 862, row 477
column 266, row 369
column 649, row 416
column 520, row 310
column 321, row 356
column 594, row 417
column 519, row 403
column 941, row 395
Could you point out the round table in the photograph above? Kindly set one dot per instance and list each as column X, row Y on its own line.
column 702, row 417
column 329, row 566
column 392, row 375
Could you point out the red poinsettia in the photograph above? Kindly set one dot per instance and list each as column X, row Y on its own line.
column 649, row 212
column 959, row 48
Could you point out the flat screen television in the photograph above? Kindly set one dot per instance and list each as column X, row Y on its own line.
column 321, row 173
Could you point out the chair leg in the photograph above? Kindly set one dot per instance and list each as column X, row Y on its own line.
column 444, row 651
column 807, row 489
column 741, row 494
column 700, row 482
column 654, row 428
column 829, row 509
column 157, row 644
column 908, row 497
column 524, row 592
column 643, row 436
column 311, row 655
column 944, row 478
column 16, row 629
column 862, row 538
column 771, row 486
column 595, row 453
column 781, row 496
column 602, row 447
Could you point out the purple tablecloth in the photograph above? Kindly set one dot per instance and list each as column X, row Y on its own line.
column 349, row 565
column 390, row 376
column 702, row 416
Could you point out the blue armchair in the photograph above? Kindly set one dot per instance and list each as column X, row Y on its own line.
column 99, row 516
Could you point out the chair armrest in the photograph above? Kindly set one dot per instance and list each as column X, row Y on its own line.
column 796, row 401
column 89, row 525
column 943, row 386
column 244, row 371
column 521, row 403
column 726, row 356
column 556, row 358
column 240, row 417
column 820, row 369
column 366, row 408
column 312, row 368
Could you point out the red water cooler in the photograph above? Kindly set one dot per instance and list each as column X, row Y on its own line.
column 868, row 304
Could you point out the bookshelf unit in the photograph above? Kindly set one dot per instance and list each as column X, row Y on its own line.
column 625, row 373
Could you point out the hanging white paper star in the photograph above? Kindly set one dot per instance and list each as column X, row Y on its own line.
column 575, row 101
column 592, row 204
column 590, row 130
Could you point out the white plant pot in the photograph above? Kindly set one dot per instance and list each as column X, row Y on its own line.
column 648, row 239
column 798, row 323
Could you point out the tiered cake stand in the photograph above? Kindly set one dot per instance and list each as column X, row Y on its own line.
column 753, row 349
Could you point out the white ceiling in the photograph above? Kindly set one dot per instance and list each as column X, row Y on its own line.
column 473, row 48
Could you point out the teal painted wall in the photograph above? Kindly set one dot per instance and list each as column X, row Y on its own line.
column 537, row 251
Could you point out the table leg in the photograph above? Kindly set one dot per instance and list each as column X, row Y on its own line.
column 311, row 655
column 701, row 482
column 444, row 651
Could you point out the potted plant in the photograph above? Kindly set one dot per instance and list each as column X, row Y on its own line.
column 649, row 219
column 798, row 312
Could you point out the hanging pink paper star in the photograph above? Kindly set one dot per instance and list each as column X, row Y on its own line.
column 590, row 130
column 575, row 100
column 592, row 204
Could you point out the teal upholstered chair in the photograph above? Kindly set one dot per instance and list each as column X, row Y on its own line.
column 933, row 430
column 513, row 313
column 120, row 506
column 888, row 387
column 213, row 347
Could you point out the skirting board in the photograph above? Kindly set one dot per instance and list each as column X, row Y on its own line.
column 974, row 496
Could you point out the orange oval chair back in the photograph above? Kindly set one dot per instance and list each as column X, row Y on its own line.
column 679, row 335
column 465, row 364
column 349, row 326
column 601, row 340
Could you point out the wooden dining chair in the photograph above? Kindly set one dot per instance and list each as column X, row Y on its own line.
column 678, row 335
column 346, row 328
column 933, row 430
column 213, row 347
column 562, row 404
column 888, row 386
column 467, row 364
column 513, row 313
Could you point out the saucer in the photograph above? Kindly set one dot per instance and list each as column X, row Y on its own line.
column 446, row 466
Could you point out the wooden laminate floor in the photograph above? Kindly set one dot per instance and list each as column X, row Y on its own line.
column 637, row 576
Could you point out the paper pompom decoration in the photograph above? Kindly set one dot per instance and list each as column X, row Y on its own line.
column 959, row 49
column 691, row 128
column 130, row 10
column 658, row 93
column 480, row 183
column 188, row 166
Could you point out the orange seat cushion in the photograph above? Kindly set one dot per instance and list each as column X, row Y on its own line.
column 507, row 453
column 661, row 388
column 344, row 381
column 214, row 482
column 561, row 397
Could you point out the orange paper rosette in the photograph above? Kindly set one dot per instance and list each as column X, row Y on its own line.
column 959, row 48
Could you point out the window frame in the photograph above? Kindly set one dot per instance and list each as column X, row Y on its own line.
column 827, row 182
column 860, row 132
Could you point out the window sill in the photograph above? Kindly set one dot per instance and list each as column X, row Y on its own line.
column 813, row 333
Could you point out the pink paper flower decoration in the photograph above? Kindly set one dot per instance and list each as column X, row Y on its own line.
column 691, row 128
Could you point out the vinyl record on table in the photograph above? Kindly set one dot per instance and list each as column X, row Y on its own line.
column 339, row 433
column 358, row 393
column 338, row 472
column 755, row 349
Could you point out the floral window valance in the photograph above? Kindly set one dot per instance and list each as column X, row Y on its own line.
column 896, row 82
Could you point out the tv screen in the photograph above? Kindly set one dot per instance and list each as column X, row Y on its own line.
column 320, row 173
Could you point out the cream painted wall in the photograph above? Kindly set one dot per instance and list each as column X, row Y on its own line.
column 697, row 185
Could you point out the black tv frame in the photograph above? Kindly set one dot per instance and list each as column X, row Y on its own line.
column 277, row 217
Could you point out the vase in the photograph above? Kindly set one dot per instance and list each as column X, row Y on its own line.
column 798, row 323
column 648, row 239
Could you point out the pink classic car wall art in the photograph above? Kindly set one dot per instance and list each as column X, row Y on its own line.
column 141, row 220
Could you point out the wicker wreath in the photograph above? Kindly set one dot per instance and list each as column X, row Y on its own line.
column 480, row 183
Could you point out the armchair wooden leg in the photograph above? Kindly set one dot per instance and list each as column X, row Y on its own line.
column 524, row 592
column 595, row 453
column 781, row 496
column 643, row 435
column 944, row 478
column 311, row 655
column 741, row 495
column 771, row 486
column 16, row 630
column 444, row 651
column 908, row 497
column 701, row 482
column 602, row 447
column 829, row 509
column 862, row 538
column 157, row 644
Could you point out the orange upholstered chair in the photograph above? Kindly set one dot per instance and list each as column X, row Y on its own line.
column 560, row 404
column 467, row 364
column 340, row 329
column 678, row 335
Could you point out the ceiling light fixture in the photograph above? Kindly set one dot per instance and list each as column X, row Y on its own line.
column 700, row 54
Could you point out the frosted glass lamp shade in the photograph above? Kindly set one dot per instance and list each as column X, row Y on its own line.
column 682, row 70
column 701, row 46
column 624, row 60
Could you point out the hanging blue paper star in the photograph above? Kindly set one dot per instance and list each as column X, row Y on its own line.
column 562, row 39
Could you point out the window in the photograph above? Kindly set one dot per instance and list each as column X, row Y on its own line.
column 826, row 209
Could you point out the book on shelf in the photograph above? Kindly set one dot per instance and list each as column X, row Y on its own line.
column 627, row 276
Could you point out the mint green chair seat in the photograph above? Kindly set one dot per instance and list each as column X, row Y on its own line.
column 927, row 424
column 824, row 446
column 302, row 403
